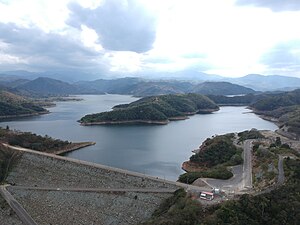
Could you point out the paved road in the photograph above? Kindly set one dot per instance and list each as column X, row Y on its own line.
column 281, row 177
column 247, row 165
column 19, row 210
column 242, row 174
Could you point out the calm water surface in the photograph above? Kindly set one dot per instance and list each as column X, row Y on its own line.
column 150, row 149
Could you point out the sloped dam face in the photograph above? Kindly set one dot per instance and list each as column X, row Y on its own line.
column 57, row 190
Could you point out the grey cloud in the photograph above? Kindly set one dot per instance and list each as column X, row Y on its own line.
column 274, row 5
column 46, row 51
column 123, row 25
column 284, row 56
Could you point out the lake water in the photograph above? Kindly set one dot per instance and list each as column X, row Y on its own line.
column 157, row 150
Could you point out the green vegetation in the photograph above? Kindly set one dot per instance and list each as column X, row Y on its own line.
column 265, row 163
column 280, row 206
column 7, row 159
column 249, row 134
column 14, row 105
column 217, row 151
column 212, row 159
column 278, row 100
column 32, row 141
column 237, row 100
column 156, row 108
column 219, row 172
column 221, row 88
column 177, row 210
column 264, row 166
column 284, row 107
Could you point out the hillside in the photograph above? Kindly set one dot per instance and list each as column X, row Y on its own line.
column 267, row 83
column 134, row 86
column 12, row 105
column 38, row 142
column 276, row 101
column 276, row 207
column 155, row 109
column 44, row 86
column 284, row 108
column 221, row 88
column 142, row 87
column 256, row 82
column 211, row 159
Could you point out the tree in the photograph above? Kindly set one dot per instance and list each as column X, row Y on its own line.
column 278, row 141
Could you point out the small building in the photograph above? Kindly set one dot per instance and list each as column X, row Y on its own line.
column 207, row 195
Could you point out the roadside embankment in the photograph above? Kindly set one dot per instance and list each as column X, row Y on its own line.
column 73, row 146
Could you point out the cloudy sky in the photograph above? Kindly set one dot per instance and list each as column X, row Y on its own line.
column 226, row 37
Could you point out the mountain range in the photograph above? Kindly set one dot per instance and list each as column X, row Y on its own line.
column 43, row 87
column 28, row 84
column 254, row 81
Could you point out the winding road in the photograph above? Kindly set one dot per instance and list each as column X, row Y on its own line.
column 242, row 174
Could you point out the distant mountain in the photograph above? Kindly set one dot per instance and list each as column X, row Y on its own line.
column 253, row 81
column 161, row 87
column 64, row 75
column 115, row 86
column 183, row 75
column 141, row 87
column 134, row 86
column 221, row 88
column 44, row 86
column 267, row 83
column 11, row 82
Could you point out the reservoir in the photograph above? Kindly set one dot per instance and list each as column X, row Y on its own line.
column 157, row 150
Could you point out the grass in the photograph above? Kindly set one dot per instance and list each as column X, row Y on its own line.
column 179, row 209
column 8, row 158
column 219, row 172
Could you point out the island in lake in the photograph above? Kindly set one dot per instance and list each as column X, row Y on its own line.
column 154, row 110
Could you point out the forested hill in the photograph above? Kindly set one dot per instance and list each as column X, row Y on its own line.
column 156, row 109
column 221, row 88
column 141, row 87
column 284, row 107
column 44, row 87
column 276, row 101
column 12, row 105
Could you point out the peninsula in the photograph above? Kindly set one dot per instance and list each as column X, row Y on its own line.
column 154, row 110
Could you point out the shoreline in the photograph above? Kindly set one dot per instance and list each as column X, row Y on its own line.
column 73, row 147
column 282, row 129
column 162, row 122
column 154, row 122
column 3, row 118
